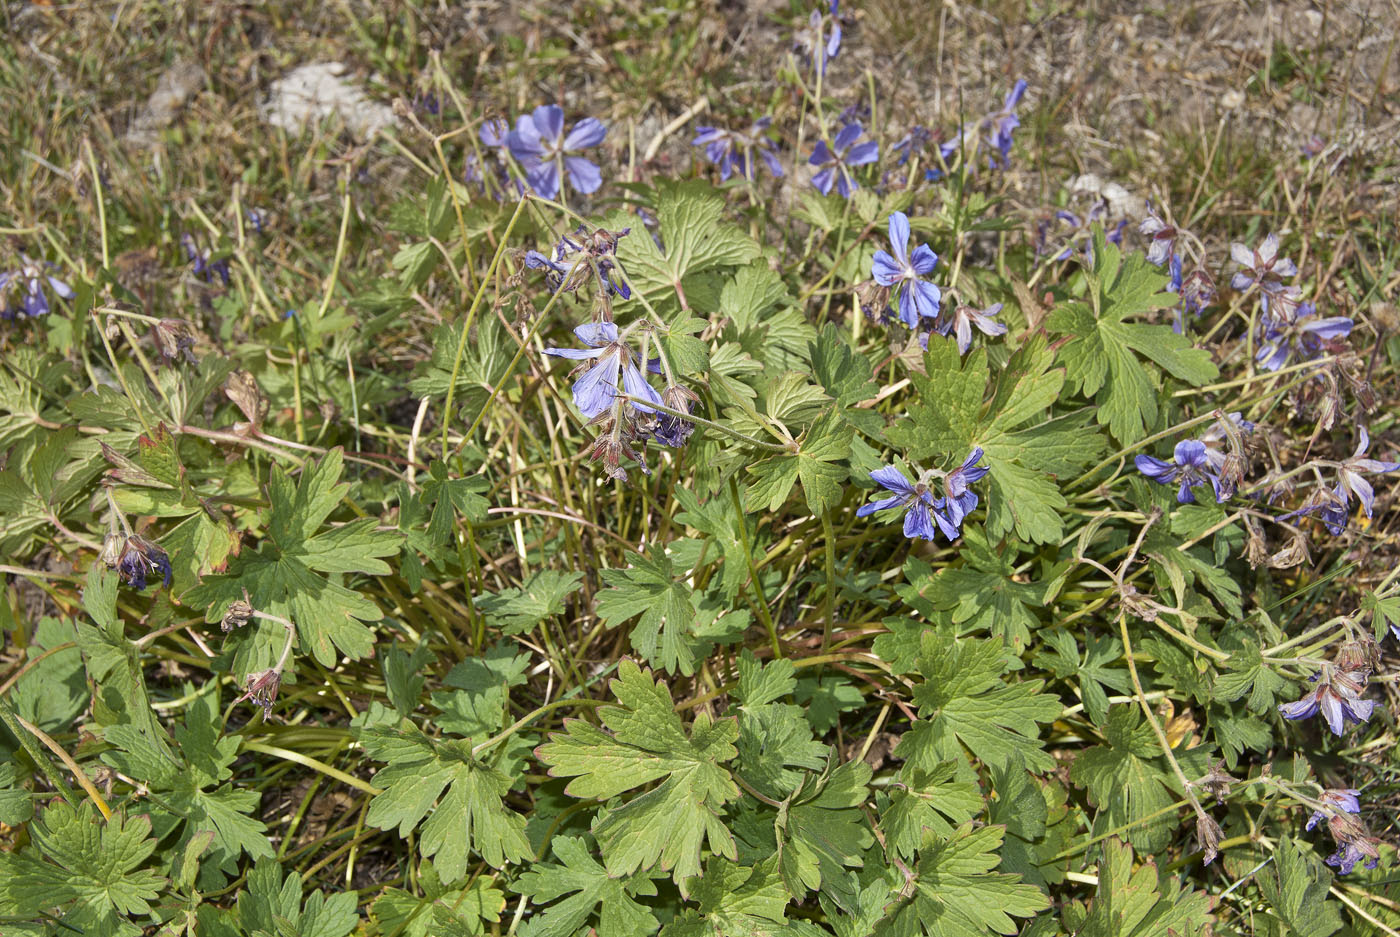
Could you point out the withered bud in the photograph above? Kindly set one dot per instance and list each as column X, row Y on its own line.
column 261, row 687
column 112, row 546
column 175, row 339
column 1360, row 654
column 1295, row 553
column 1135, row 603
column 238, row 615
column 1217, row 782
column 1209, row 835
column 1256, row 548
column 242, row 388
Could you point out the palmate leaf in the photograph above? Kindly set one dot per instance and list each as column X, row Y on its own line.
column 1102, row 353
column 284, row 576
column 952, row 414
column 965, row 702
column 646, row 742
column 1127, row 781
column 591, row 891
column 815, row 464
column 651, row 589
column 935, row 800
column 737, row 901
column 437, row 909
column 957, row 893
column 86, row 871
column 1297, row 889
column 1129, row 903
column 468, row 818
column 272, row 906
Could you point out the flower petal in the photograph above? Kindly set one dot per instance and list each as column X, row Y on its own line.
column 549, row 122
column 899, row 236
column 584, row 175
column 893, row 479
column 588, row 132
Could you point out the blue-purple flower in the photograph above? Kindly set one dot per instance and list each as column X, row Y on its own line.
column 965, row 318
column 1190, row 466
column 732, row 150
column 1300, row 335
column 1262, row 266
column 836, row 164
column 203, row 264
column 596, row 389
column 1337, row 697
column 31, row 284
column 904, row 272
column 1346, row 800
column 575, row 258
column 539, row 143
column 1002, row 124
column 138, row 558
column 925, row 512
column 910, row 144
column 960, row 499
column 815, row 43
column 922, row 510
column 1161, row 243
column 1349, row 474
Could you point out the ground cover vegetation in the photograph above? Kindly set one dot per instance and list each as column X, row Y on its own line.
column 699, row 469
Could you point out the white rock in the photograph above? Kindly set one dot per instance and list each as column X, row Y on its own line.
column 309, row 94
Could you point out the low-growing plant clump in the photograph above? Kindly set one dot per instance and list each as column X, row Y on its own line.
column 798, row 532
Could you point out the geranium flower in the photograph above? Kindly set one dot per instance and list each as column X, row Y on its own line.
column 904, row 273
column 596, row 389
column 538, row 141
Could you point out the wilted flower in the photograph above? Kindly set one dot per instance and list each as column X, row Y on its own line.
column 1337, row 697
column 30, row 282
column 1300, row 335
column 1217, row 782
column 964, row 317
column 911, row 143
column 1354, row 843
column 904, row 273
column 596, row 390
column 1346, row 800
column 1161, row 240
column 138, row 558
column 577, row 257
column 672, row 430
column 261, row 687
column 1190, row 467
column 1209, row 835
column 1262, row 266
column 205, row 267
column 732, row 150
column 1329, row 506
column 174, row 338
column 538, row 141
column 836, row 164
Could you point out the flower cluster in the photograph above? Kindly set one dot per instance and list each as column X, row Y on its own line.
column 24, row 290
column 926, row 510
column 991, row 134
column 1289, row 326
column 576, row 258
column 1196, row 289
column 1217, row 459
column 819, row 42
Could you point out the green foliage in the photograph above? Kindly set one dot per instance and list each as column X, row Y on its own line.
column 646, row 741
column 88, row 873
column 1102, row 354
column 952, row 415
column 468, row 818
column 297, row 571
